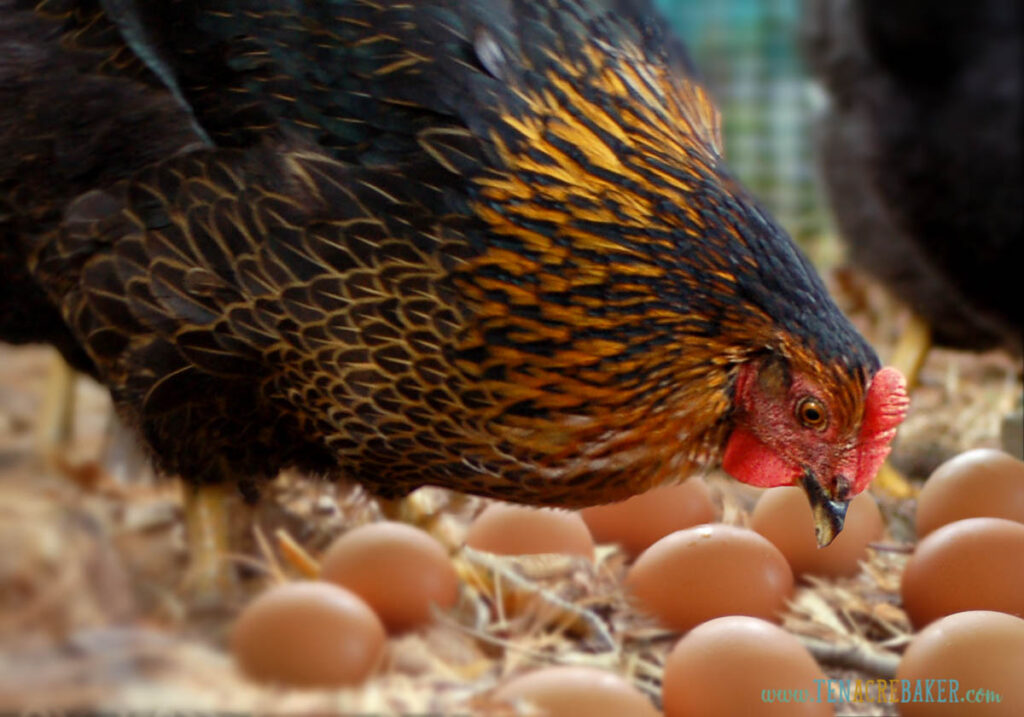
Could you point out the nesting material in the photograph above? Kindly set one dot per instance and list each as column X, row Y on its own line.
column 91, row 601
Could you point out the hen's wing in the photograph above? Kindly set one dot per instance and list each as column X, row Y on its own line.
column 256, row 309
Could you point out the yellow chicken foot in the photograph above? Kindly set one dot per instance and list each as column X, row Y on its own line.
column 407, row 509
column 419, row 511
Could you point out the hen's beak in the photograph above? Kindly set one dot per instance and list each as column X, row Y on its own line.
column 828, row 514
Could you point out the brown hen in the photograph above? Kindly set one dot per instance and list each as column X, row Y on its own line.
column 491, row 246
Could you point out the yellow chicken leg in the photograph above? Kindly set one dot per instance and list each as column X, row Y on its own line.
column 210, row 580
column 891, row 482
column 908, row 356
column 57, row 420
column 912, row 349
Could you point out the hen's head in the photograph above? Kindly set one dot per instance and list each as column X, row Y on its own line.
column 826, row 434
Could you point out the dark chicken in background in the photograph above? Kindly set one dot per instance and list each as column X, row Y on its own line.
column 921, row 153
column 491, row 246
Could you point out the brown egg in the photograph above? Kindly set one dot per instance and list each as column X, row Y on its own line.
column 742, row 666
column 976, row 484
column 707, row 571
column 783, row 515
column 970, row 663
column 308, row 634
column 973, row 564
column 576, row 692
column 637, row 523
column 398, row 570
column 508, row 529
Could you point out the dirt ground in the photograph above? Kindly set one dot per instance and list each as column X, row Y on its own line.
column 92, row 561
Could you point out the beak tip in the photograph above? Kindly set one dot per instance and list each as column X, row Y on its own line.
column 829, row 515
column 829, row 518
column 825, row 534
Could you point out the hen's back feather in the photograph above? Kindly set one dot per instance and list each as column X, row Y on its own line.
column 77, row 110
column 488, row 245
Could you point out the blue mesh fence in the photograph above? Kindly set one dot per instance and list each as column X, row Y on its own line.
column 748, row 53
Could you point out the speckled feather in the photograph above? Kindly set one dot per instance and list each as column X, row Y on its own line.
column 486, row 245
column 77, row 110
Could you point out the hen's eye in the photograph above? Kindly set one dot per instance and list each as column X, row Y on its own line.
column 811, row 413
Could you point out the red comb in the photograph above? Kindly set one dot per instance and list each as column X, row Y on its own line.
column 884, row 409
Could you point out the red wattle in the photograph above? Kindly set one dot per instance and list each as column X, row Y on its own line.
column 750, row 461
